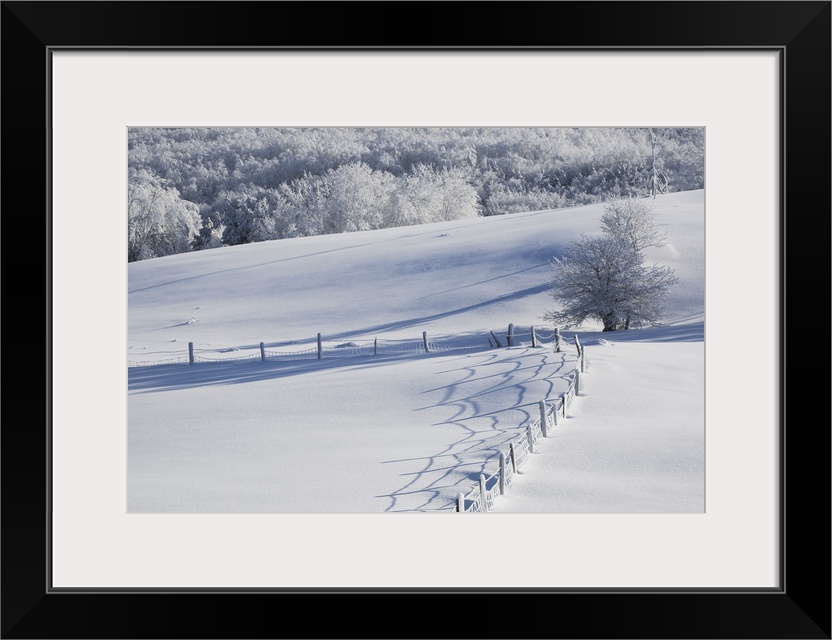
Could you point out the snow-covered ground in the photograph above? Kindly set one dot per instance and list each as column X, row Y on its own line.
column 384, row 426
column 636, row 441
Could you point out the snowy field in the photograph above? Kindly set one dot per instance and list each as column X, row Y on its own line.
column 385, row 426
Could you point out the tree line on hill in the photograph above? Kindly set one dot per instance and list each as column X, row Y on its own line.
column 191, row 189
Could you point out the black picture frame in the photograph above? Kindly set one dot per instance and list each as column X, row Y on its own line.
column 799, row 608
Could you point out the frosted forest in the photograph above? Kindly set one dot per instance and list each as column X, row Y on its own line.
column 198, row 188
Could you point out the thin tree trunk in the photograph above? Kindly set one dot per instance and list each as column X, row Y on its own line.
column 653, row 145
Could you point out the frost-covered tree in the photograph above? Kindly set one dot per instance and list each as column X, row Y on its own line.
column 358, row 198
column 251, row 219
column 458, row 198
column 657, row 181
column 302, row 206
column 159, row 222
column 606, row 278
column 632, row 220
column 428, row 195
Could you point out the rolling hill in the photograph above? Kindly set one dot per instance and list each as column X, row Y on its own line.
column 377, row 424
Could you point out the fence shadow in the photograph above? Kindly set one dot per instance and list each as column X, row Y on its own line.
column 181, row 375
column 253, row 363
column 481, row 434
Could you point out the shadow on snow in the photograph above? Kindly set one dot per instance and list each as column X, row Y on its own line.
column 481, row 434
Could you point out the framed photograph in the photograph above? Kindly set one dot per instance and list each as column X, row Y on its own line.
column 277, row 159
column 398, row 292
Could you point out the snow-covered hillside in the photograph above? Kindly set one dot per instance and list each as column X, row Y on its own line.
column 402, row 430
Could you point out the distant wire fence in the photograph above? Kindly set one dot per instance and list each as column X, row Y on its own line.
column 356, row 348
column 481, row 498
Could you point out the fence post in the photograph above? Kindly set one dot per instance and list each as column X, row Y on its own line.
column 460, row 503
column 534, row 338
column 262, row 352
column 375, row 346
column 563, row 403
column 190, row 353
column 425, row 341
column 513, row 457
column 557, row 340
column 555, row 415
column 483, row 500
column 544, row 428
column 531, row 439
column 495, row 339
column 578, row 345
column 583, row 360
column 502, row 473
column 509, row 334
column 320, row 350
column 577, row 382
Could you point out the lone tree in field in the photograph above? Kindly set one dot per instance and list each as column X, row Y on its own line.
column 606, row 278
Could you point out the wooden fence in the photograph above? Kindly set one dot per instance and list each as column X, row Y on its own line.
column 513, row 336
column 481, row 498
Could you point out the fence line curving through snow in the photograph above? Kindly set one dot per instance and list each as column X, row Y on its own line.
column 481, row 498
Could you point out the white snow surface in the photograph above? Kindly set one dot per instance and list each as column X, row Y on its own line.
column 384, row 426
